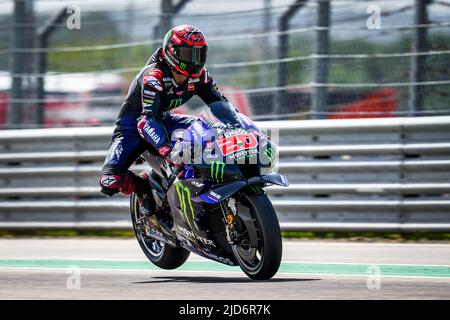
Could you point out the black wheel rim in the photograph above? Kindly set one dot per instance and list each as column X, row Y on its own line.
column 153, row 246
column 250, row 258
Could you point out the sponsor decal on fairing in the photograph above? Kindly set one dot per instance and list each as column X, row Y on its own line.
column 198, row 184
column 238, row 142
column 192, row 235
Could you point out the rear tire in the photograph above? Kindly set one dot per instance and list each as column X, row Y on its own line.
column 267, row 257
column 159, row 253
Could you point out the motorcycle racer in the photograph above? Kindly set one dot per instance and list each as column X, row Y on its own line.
column 172, row 76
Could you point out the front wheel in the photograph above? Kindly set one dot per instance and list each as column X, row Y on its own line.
column 159, row 253
column 259, row 251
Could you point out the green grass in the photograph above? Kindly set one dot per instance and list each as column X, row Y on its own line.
column 347, row 236
column 368, row 236
column 66, row 233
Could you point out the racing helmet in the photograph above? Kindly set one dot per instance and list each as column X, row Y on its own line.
column 184, row 50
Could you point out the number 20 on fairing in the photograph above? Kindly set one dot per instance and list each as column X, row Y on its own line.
column 237, row 143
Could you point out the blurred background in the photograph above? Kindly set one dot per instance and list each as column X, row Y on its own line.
column 69, row 63
column 355, row 93
column 310, row 69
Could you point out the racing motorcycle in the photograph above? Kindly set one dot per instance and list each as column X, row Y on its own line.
column 213, row 204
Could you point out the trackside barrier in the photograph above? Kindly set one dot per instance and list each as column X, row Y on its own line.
column 389, row 175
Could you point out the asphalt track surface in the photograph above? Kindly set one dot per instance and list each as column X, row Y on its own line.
column 117, row 269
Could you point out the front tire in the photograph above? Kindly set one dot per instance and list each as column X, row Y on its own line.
column 158, row 252
column 261, row 262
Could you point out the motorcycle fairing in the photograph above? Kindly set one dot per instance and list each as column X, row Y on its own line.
column 218, row 194
column 215, row 195
column 273, row 178
column 228, row 260
column 188, row 234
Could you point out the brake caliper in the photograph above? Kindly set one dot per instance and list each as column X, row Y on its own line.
column 233, row 235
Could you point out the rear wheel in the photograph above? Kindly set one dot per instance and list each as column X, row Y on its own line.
column 159, row 253
column 260, row 247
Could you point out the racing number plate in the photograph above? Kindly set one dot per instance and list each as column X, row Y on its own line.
column 238, row 142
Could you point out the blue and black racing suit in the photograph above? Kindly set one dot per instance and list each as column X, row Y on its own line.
column 145, row 120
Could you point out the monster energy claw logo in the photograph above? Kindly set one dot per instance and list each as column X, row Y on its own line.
column 184, row 195
column 217, row 168
column 175, row 103
column 269, row 153
column 256, row 189
column 182, row 65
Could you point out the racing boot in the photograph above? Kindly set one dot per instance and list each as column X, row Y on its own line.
column 129, row 183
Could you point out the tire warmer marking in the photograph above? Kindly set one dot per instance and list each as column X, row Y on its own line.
column 215, row 167
column 183, row 193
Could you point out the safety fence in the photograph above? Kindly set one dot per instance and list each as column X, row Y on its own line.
column 390, row 175
column 274, row 59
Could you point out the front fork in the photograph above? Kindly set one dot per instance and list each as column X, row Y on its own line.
column 229, row 212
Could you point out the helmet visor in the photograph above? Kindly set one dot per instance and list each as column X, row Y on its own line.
column 192, row 55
